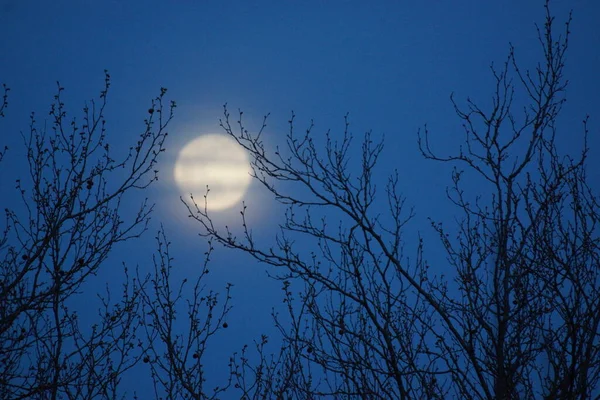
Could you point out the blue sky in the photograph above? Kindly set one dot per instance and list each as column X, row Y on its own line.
column 390, row 64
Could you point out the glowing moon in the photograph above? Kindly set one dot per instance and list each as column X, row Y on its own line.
column 217, row 161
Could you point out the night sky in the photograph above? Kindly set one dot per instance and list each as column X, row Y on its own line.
column 391, row 65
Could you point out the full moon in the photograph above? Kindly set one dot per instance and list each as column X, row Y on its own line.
column 217, row 161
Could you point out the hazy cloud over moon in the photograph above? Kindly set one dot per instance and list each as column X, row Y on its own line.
column 217, row 161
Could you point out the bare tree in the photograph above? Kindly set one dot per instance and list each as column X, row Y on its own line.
column 517, row 316
column 527, row 259
column 179, row 326
column 70, row 220
column 3, row 106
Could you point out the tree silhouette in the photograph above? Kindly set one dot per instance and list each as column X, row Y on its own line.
column 176, row 350
column 70, row 220
column 72, row 217
column 516, row 315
